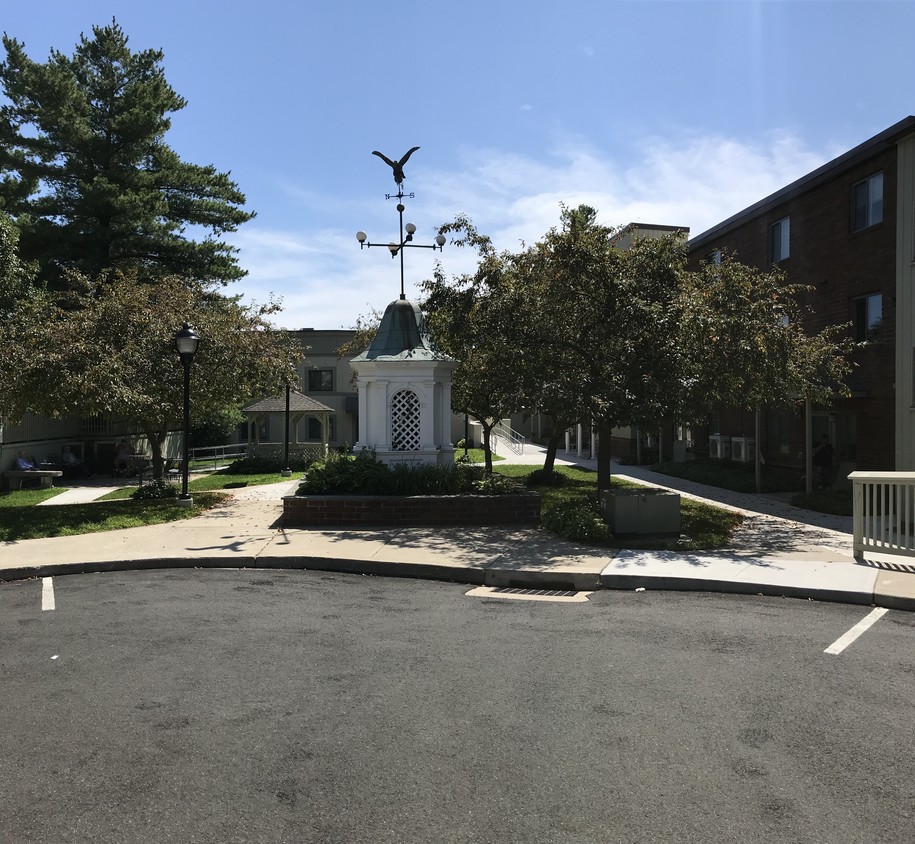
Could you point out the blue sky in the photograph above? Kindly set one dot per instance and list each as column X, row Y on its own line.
column 679, row 113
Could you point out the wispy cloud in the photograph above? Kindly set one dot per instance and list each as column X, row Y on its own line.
column 696, row 181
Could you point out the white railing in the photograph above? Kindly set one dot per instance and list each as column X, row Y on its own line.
column 884, row 512
column 512, row 439
column 213, row 457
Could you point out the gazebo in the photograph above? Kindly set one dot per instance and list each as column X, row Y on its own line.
column 266, row 426
column 405, row 391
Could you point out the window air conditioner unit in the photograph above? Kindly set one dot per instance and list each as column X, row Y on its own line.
column 719, row 447
column 743, row 449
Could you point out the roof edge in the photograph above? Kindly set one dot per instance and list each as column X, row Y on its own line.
column 864, row 150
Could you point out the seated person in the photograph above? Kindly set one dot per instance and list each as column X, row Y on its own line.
column 25, row 463
column 72, row 465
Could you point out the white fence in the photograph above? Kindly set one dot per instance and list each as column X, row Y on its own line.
column 884, row 512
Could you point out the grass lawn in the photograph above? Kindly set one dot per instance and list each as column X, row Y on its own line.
column 225, row 480
column 20, row 519
column 702, row 526
column 25, row 498
column 212, row 481
column 738, row 477
column 476, row 455
column 836, row 501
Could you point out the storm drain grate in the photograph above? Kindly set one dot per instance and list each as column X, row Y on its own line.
column 547, row 593
column 529, row 594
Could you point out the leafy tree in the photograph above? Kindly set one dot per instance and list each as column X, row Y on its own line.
column 473, row 318
column 743, row 335
column 86, row 174
column 106, row 346
column 745, row 344
column 605, row 322
column 218, row 428
column 15, row 276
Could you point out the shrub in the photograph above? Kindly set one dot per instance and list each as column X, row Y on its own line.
column 155, row 489
column 577, row 520
column 365, row 474
column 495, row 485
column 540, row 477
column 258, row 465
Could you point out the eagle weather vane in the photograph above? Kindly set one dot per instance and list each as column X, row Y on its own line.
column 396, row 166
column 405, row 240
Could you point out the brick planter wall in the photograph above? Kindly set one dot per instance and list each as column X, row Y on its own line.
column 394, row 510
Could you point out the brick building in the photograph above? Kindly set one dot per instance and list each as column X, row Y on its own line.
column 848, row 230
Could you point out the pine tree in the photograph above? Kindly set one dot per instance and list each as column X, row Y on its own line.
column 88, row 178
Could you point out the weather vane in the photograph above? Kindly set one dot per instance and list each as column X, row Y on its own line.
column 405, row 240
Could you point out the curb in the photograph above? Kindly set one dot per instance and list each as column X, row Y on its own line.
column 482, row 576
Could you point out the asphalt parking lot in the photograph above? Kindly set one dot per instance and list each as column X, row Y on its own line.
column 223, row 705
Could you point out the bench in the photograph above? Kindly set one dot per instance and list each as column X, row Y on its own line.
column 45, row 477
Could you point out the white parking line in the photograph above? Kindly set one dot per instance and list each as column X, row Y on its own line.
column 866, row 623
column 47, row 594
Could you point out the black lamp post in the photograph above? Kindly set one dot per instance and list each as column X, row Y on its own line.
column 287, row 471
column 186, row 341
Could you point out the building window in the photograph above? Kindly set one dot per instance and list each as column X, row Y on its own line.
column 866, row 314
column 714, row 257
column 867, row 202
column 780, row 239
column 320, row 380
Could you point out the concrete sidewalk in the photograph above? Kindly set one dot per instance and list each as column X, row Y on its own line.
column 779, row 550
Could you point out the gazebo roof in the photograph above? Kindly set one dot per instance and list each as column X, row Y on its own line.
column 402, row 336
column 298, row 403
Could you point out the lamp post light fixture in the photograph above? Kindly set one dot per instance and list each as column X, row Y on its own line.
column 406, row 230
column 186, row 342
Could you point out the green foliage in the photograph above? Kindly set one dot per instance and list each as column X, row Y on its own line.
column 110, row 344
column 473, row 318
column 87, row 175
column 726, row 474
column 258, row 465
column 15, row 276
column 703, row 527
column 155, row 489
column 495, row 485
column 217, row 428
column 744, row 343
column 364, row 474
column 838, row 502
column 541, row 477
column 577, row 520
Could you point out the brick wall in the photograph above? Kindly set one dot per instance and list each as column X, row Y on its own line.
column 840, row 265
column 396, row 511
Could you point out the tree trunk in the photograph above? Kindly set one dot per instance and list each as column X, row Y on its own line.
column 603, row 458
column 487, row 446
column 155, row 439
column 552, row 446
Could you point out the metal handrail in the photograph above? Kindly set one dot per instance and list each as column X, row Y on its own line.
column 512, row 439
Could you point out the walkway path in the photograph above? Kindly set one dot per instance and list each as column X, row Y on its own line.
column 779, row 550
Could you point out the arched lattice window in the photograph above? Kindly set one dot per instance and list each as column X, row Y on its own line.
column 405, row 421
